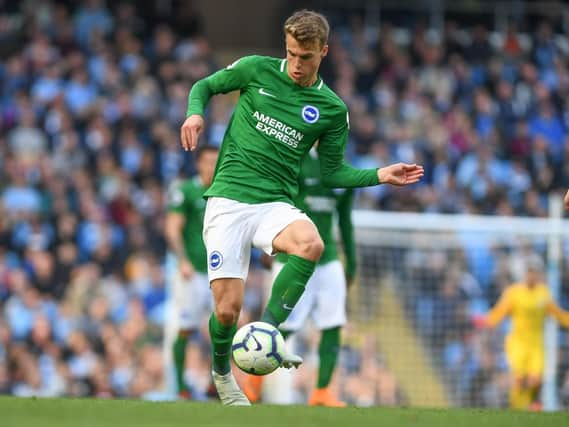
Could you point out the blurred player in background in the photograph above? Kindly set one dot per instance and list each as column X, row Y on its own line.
column 284, row 107
column 527, row 303
column 325, row 297
column 191, row 295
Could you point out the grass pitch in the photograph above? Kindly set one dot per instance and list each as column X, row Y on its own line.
column 18, row 412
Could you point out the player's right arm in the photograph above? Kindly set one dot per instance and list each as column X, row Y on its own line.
column 234, row 77
column 174, row 229
column 566, row 200
column 502, row 308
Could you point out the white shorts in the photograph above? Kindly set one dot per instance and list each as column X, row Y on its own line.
column 324, row 298
column 193, row 300
column 231, row 228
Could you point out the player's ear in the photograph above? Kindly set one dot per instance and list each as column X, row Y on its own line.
column 324, row 51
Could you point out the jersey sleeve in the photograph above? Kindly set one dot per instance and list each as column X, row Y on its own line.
column 334, row 170
column 502, row 308
column 344, row 208
column 562, row 316
column 177, row 198
column 233, row 77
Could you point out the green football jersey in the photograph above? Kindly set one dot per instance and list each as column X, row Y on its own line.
column 274, row 124
column 186, row 198
column 322, row 204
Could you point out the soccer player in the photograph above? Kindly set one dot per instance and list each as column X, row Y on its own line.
column 184, row 223
column 527, row 303
column 325, row 296
column 283, row 109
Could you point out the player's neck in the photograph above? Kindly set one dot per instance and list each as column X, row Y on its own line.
column 309, row 82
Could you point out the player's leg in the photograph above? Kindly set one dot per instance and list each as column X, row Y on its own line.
column 533, row 391
column 182, row 302
column 519, row 396
column 329, row 315
column 328, row 351
column 179, row 353
column 171, row 320
column 194, row 301
column 228, row 298
column 535, row 376
column 517, row 360
column 279, row 382
column 303, row 308
column 286, row 229
column 227, row 239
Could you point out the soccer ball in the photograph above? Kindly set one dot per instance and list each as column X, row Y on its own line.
column 258, row 348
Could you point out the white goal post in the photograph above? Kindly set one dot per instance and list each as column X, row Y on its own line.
column 423, row 275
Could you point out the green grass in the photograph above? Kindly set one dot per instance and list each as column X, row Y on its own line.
column 17, row 412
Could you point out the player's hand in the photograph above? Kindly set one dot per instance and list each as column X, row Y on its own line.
column 186, row 269
column 190, row 131
column 349, row 281
column 566, row 200
column 479, row 321
column 400, row 174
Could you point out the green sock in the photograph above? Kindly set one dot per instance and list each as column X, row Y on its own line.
column 287, row 289
column 179, row 349
column 328, row 353
column 285, row 334
column 221, row 337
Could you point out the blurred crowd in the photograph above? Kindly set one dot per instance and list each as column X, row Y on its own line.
column 91, row 98
column 487, row 114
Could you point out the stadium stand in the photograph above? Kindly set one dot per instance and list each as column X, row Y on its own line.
column 91, row 99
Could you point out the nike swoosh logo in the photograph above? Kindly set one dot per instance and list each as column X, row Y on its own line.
column 262, row 92
column 287, row 307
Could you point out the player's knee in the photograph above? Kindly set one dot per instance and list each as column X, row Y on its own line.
column 316, row 248
column 519, row 382
column 534, row 382
column 227, row 314
column 184, row 333
column 310, row 248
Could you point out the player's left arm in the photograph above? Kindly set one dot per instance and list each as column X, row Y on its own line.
column 561, row 315
column 336, row 173
column 344, row 208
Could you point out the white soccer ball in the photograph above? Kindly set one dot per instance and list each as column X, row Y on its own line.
column 258, row 348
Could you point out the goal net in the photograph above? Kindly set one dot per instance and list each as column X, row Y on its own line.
column 410, row 339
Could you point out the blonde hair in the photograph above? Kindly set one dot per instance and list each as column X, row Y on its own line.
column 307, row 27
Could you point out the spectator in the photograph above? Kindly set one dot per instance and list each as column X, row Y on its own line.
column 92, row 98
